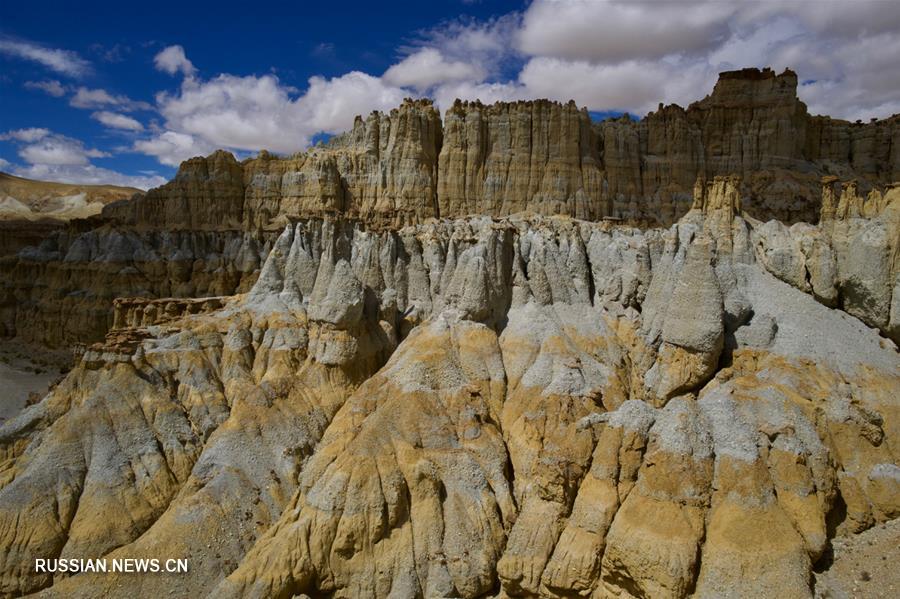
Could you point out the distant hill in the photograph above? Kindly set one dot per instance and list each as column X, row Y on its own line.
column 26, row 199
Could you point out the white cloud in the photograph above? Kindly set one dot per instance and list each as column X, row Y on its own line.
column 64, row 62
column 330, row 105
column 611, row 31
column 632, row 86
column 117, row 121
column 629, row 55
column 427, row 67
column 172, row 60
column 58, row 150
column 100, row 98
column 31, row 134
column 51, row 87
column 87, row 175
column 54, row 157
column 251, row 113
column 172, row 148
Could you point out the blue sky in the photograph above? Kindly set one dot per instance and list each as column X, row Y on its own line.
column 110, row 92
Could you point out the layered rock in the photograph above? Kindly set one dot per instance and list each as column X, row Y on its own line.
column 851, row 260
column 539, row 157
column 62, row 290
column 528, row 406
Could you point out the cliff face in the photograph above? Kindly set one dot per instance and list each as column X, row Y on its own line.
column 540, row 157
column 408, row 166
column 61, row 291
column 528, row 406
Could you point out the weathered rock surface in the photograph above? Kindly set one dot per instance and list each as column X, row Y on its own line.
column 851, row 260
column 540, row 157
column 417, row 362
column 546, row 158
column 529, row 406
column 62, row 290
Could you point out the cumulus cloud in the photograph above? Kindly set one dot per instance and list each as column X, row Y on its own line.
column 670, row 51
column 172, row 60
column 100, row 98
column 59, row 150
column 4, row 163
column 172, row 148
column 51, row 87
column 51, row 156
column 635, row 86
column 30, row 134
column 427, row 67
column 117, row 121
column 254, row 112
column 64, row 62
column 611, row 31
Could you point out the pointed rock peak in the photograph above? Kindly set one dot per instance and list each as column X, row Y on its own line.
column 722, row 194
column 850, row 204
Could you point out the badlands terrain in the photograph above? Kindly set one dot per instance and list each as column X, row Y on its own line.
column 501, row 352
column 31, row 210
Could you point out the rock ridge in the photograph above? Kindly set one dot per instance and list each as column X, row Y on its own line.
column 541, row 157
column 481, row 406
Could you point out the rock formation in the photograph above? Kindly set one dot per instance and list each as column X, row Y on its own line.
column 540, row 157
column 31, row 210
column 427, row 360
column 408, row 166
column 478, row 406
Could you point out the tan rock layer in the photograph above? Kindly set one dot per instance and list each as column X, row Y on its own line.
column 541, row 157
column 530, row 407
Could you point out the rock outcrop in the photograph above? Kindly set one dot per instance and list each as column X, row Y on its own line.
column 408, row 166
column 62, row 290
column 851, row 260
column 528, row 406
column 539, row 157
column 434, row 359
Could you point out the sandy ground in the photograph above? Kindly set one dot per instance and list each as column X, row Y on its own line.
column 865, row 565
column 24, row 370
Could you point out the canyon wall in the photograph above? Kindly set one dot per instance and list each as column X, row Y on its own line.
column 540, row 157
column 408, row 166
column 527, row 406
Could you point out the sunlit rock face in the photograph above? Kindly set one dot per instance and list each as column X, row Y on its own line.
column 539, row 157
column 526, row 406
column 504, row 353
column 207, row 231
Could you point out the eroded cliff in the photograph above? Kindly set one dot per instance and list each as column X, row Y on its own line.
column 540, row 157
column 526, row 406
column 409, row 166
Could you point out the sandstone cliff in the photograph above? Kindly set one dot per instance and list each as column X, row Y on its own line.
column 409, row 166
column 482, row 407
column 540, row 157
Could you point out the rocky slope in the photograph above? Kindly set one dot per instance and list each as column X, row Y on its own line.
column 27, row 199
column 30, row 210
column 472, row 407
column 409, row 166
